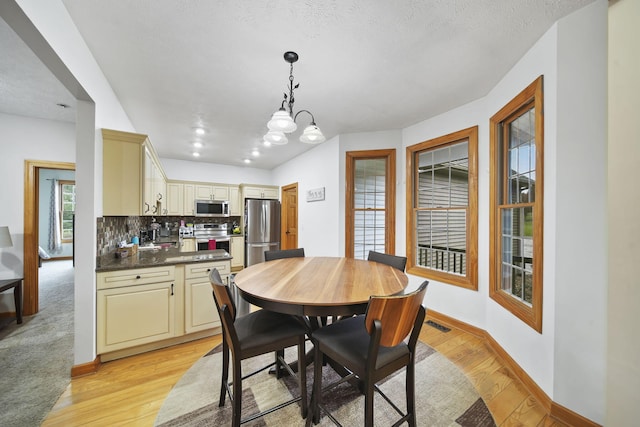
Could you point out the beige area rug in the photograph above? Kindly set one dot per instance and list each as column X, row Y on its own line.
column 444, row 396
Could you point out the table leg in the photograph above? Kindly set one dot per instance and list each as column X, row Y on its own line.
column 17, row 298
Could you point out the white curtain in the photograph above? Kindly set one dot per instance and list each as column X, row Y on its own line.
column 55, row 240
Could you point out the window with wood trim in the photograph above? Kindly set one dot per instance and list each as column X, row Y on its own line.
column 515, row 270
column 370, row 202
column 442, row 209
column 67, row 192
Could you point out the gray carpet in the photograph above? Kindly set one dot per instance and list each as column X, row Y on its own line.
column 444, row 396
column 37, row 355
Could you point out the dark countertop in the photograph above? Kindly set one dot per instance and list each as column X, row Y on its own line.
column 158, row 257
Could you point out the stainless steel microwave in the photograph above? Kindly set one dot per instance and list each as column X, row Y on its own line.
column 211, row 208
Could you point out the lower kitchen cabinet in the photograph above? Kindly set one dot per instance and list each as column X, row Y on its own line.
column 237, row 251
column 135, row 315
column 199, row 307
column 144, row 309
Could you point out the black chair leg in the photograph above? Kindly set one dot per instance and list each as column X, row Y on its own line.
column 225, row 373
column 237, row 393
column 411, row 395
column 302, row 374
column 368, row 401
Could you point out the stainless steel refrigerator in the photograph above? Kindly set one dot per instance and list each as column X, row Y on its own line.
column 262, row 229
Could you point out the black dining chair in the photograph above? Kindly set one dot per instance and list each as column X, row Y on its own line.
column 395, row 261
column 283, row 253
column 257, row 333
column 371, row 347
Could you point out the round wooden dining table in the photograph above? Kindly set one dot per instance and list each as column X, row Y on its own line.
column 318, row 286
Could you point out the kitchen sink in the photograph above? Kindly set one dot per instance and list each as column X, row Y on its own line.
column 155, row 246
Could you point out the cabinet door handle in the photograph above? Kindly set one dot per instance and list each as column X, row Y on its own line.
column 137, row 277
column 159, row 196
column 172, row 289
column 147, row 205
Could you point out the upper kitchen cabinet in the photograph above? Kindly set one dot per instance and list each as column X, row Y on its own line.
column 155, row 185
column 235, row 203
column 211, row 192
column 260, row 191
column 133, row 181
column 175, row 197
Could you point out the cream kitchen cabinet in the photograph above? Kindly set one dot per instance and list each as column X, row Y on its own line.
column 235, row 201
column 237, row 251
column 200, row 309
column 189, row 197
column 149, row 205
column 188, row 245
column 144, row 309
column 260, row 192
column 155, row 187
column 132, row 176
column 211, row 192
column 175, row 199
column 135, row 307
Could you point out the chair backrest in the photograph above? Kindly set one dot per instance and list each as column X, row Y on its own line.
column 395, row 261
column 284, row 253
column 397, row 314
column 221, row 294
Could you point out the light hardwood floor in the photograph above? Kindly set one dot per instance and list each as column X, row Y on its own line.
column 131, row 391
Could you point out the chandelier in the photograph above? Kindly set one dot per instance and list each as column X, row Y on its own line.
column 284, row 121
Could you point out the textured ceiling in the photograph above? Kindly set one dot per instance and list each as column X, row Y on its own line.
column 364, row 65
column 27, row 87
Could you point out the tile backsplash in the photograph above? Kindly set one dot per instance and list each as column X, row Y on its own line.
column 113, row 229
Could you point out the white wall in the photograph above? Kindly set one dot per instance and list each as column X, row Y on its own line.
column 531, row 350
column 623, row 374
column 318, row 222
column 23, row 138
column 566, row 360
column 581, row 204
column 211, row 172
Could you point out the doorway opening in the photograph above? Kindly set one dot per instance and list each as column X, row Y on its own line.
column 31, row 229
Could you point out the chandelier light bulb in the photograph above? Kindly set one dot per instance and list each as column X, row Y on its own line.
column 282, row 121
column 276, row 137
column 312, row 135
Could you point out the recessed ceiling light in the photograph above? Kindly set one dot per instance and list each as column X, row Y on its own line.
column 196, row 154
column 200, row 131
column 255, row 153
column 247, row 160
column 266, row 143
column 197, row 144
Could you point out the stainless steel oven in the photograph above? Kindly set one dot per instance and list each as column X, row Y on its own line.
column 207, row 234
